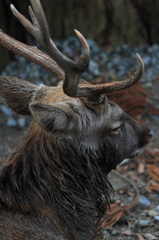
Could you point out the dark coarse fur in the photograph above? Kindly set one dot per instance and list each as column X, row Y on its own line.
column 57, row 178
column 57, row 175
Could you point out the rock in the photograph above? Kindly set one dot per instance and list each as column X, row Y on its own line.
column 6, row 111
column 94, row 68
column 114, row 232
column 11, row 122
column 91, row 43
column 106, row 233
column 156, row 218
column 157, row 208
column 149, row 75
column 143, row 223
column 147, row 85
column 21, row 122
column 149, row 236
column 144, row 201
column 147, row 60
column 154, row 49
column 152, row 213
column 121, row 73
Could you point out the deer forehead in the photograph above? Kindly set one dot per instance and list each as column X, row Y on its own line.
column 50, row 95
column 106, row 113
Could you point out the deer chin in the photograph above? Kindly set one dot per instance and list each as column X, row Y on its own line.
column 137, row 152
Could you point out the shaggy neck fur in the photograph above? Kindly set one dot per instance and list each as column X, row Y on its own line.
column 42, row 173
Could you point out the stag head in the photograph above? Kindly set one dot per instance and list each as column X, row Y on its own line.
column 75, row 111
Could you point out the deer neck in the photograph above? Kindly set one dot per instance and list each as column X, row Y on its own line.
column 45, row 174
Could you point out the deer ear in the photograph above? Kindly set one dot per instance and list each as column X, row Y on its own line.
column 17, row 94
column 50, row 117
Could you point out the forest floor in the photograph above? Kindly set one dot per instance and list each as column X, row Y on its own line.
column 134, row 182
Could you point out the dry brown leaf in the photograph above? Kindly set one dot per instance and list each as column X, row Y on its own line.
column 139, row 236
column 125, row 191
column 152, row 185
column 117, row 210
column 127, row 233
column 114, row 214
column 155, row 234
column 153, row 171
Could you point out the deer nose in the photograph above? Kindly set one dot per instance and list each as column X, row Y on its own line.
column 150, row 135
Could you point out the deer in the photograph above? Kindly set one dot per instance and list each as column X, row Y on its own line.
column 54, row 184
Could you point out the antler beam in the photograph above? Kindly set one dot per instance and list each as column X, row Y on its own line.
column 99, row 89
column 31, row 53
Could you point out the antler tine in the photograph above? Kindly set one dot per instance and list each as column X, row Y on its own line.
column 99, row 89
column 39, row 29
column 73, row 70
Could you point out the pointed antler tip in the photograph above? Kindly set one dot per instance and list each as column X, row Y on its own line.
column 79, row 35
column 12, row 6
column 82, row 39
column 76, row 31
column 13, row 9
column 141, row 63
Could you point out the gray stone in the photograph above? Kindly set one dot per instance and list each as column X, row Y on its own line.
column 6, row 111
column 94, row 68
column 149, row 236
column 106, row 233
column 11, row 122
column 152, row 213
column 114, row 232
column 157, row 208
column 143, row 223
column 144, row 201
column 21, row 122
column 156, row 218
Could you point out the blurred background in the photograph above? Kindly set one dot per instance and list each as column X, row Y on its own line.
column 115, row 30
column 108, row 22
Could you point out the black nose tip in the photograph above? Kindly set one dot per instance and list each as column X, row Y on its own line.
column 150, row 135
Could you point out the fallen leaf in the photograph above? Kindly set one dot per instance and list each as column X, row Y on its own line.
column 152, row 185
column 127, row 233
column 139, row 236
column 155, row 234
column 113, row 214
column 153, row 171
column 125, row 191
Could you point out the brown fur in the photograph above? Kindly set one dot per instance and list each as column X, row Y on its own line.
column 54, row 185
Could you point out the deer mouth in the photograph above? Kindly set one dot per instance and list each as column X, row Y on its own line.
column 138, row 151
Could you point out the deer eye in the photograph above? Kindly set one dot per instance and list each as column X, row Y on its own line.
column 116, row 128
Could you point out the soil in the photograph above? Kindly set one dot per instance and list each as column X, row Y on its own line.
column 128, row 225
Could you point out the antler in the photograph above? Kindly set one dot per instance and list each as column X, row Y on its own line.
column 73, row 70
column 39, row 29
column 99, row 89
column 31, row 53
